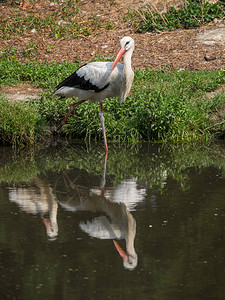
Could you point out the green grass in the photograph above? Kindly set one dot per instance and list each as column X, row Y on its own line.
column 164, row 105
column 192, row 14
column 19, row 123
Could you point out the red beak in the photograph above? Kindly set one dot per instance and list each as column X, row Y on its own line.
column 118, row 57
column 46, row 222
column 122, row 253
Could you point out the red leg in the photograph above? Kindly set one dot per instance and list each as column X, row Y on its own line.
column 71, row 109
column 103, row 126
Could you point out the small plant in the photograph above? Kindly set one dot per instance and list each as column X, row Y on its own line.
column 109, row 25
column 98, row 22
column 192, row 14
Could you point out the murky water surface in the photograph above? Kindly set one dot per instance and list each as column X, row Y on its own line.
column 146, row 222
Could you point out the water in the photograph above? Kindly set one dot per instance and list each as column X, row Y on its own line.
column 67, row 211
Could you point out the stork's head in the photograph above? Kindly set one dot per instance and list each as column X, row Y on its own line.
column 127, row 45
column 51, row 228
column 129, row 260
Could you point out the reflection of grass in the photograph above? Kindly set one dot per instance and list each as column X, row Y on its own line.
column 164, row 105
column 19, row 171
column 151, row 164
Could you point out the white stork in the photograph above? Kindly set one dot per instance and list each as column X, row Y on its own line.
column 99, row 80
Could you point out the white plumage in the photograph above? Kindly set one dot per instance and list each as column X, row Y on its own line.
column 114, row 221
column 99, row 80
column 101, row 228
column 37, row 198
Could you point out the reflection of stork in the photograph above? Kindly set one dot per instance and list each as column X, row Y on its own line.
column 115, row 221
column 41, row 201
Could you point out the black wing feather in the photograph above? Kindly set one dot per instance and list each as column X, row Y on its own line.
column 74, row 80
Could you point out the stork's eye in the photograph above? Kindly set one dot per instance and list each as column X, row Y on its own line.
column 127, row 43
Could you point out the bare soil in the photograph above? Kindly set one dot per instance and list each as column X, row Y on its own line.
column 186, row 49
column 22, row 92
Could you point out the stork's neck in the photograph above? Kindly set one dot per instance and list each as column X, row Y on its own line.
column 128, row 76
column 127, row 69
column 131, row 232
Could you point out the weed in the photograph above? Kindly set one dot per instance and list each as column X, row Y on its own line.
column 192, row 14
column 109, row 25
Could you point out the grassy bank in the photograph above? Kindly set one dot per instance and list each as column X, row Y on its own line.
column 165, row 105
